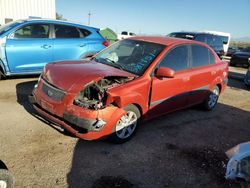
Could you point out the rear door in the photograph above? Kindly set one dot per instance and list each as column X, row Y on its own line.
column 202, row 75
column 69, row 42
column 29, row 48
column 169, row 94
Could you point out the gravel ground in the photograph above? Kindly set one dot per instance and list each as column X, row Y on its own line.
column 182, row 149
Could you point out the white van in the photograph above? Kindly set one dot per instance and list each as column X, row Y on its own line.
column 225, row 37
column 125, row 34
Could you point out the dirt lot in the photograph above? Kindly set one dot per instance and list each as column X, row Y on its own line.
column 183, row 149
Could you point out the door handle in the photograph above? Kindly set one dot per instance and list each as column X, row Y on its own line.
column 82, row 45
column 46, row 46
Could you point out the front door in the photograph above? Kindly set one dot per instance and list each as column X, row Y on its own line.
column 169, row 94
column 29, row 48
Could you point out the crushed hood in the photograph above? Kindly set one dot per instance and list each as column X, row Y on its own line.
column 73, row 75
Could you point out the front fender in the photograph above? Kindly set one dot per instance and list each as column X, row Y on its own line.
column 130, row 98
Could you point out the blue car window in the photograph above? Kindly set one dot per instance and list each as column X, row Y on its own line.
column 33, row 31
column 84, row 32
column 63, row 31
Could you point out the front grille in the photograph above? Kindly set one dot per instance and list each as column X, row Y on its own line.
column 52, row 92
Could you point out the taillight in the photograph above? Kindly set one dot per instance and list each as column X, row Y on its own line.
column 106, row 43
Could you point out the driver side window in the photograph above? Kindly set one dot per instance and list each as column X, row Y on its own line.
column 33, row 31
column 176, row 59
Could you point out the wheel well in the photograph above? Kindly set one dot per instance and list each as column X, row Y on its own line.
column 2, row 75
column 1, row 69
column 139, row 107
column 2, row 165
column 219, row 85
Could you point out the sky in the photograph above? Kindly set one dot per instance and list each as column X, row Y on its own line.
column 160, row 17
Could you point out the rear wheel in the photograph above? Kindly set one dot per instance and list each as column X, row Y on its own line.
column 126, row 126
column 211, row 100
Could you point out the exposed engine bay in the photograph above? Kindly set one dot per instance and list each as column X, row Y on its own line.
column 94, row 95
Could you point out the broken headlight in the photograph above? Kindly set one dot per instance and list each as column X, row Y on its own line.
column 94, row 95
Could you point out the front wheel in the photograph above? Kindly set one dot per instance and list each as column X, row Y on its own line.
column 1, row 75
column 211, row 100
column 126, row 126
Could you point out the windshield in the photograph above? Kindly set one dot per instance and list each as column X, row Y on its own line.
column 8, row 26
column 247, row 49
column 130, row 55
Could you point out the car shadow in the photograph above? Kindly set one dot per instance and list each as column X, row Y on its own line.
column 236, row 75
column 22, row 76
column 181, row 149
column 23, row 90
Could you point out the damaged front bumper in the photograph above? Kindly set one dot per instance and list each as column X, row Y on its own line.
column 84, row 123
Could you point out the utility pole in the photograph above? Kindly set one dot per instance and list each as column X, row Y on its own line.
column 89, row 14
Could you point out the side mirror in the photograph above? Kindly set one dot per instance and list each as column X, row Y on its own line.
column 165, row 72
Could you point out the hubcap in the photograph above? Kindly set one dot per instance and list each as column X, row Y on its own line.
column 213, row 97
column 126, row 125
column 3, row 184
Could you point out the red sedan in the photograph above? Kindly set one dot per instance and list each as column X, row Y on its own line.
column 133, row 80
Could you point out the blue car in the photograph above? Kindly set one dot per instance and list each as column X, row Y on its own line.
column 27, row 45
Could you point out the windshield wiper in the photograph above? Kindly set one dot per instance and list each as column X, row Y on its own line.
column 119, row 66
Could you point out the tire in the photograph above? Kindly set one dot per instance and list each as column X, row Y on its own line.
column 6, row 179
column 212, row 99
column 1, row 75
column 123, row 130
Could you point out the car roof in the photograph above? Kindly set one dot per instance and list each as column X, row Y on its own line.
column 168, row 41
column 33, row 20
column 195, row 33
column 187, row 32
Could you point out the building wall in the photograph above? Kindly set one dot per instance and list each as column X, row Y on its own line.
column 23, row 9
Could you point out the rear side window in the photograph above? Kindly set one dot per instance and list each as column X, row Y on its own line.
column 201, row 56
column 201, row 38
column 33, row 31
column 64, row 31
column 176, row 59
column 84, row 32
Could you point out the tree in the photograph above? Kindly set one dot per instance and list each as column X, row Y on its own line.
column 60, row 17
